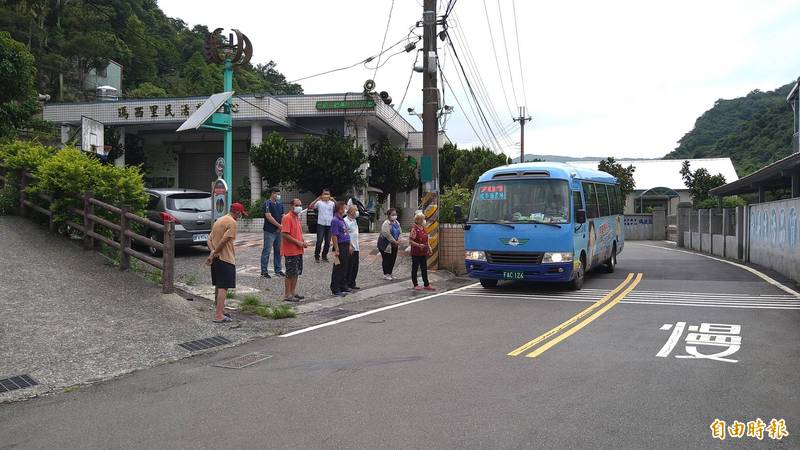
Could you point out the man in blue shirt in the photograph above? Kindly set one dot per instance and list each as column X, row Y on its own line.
column 273, row 214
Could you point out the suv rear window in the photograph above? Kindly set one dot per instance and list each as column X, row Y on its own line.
column 198, row 201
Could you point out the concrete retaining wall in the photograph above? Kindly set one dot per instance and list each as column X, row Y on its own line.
column 730, row 247
column 718, row 244
column 774, row 236
column 695, row 241
column 705, row 240
column 638, row 227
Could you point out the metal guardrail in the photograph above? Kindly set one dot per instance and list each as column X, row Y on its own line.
column 125, row 236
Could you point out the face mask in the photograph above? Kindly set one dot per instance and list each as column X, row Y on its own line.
column 356, row 213
column 424, row 224
column 278, row 198
column 393, row 218
column 325, row 198
column 298, row 210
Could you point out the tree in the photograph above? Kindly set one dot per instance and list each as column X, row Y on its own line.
column 17, row 88
column 147, row 90
column 700, row 182
column 390, row 170
column 275, row 159
column 624, row 174
column 458, row 166
column 330, row 161
column 456, row 195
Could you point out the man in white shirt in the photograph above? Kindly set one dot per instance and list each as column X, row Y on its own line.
column 324, row 205
column 352, row 230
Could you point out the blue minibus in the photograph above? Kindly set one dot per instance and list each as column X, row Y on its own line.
column 542, row 222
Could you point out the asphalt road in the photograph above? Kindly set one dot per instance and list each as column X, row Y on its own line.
column 437, row 373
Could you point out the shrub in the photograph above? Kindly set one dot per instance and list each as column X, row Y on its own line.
column 24, row 155
column 9, row 197
column 455, row 195
column 69, row 173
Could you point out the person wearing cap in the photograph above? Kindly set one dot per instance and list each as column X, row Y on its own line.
column 223, row 258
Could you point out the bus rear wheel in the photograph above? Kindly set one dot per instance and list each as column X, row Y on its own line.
column 488, row 283
column 611, row 261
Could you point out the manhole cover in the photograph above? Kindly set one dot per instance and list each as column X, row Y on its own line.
column 203, row 344
column 240, row 362
column 18, row 382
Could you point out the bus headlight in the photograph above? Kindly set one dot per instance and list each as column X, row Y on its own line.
column 475, row 255
column 556, row 257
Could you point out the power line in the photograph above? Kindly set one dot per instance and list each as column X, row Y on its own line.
column 308, row 130
column 363, row 61
column 505, row 45
column 471, row 90
column 465, row 112
column 410, row 76
column 483, row 92
column 496, row 61
column 385, row 33
column 519, row 55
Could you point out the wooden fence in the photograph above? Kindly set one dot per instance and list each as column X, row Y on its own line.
column 121, row 228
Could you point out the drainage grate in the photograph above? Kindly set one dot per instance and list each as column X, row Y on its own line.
column 202, row 344
column 240, row 362
column 334, row 313
column 14, row 383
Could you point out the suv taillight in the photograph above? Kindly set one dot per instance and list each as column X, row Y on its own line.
column 167, row 217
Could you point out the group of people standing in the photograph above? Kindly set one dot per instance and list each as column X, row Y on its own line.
column 337, row 236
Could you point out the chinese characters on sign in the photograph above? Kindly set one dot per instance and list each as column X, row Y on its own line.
column 755, row 428
column 493, row 192
column 718, row 340
column 168, row 110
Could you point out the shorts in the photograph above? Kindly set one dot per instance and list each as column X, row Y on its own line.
column 223, row 274
column 294, row 265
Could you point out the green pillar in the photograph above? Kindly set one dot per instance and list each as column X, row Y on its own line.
column 228, row 155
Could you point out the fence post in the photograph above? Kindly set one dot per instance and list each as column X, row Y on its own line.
column 88, row 224
column 168, row 259
column 124, row 241
column 739, row 221
column 23, row 183
column 724, row 232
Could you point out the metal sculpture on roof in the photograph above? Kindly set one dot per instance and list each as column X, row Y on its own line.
column 217, row 49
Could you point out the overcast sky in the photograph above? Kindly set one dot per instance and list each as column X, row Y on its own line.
column 600, row 78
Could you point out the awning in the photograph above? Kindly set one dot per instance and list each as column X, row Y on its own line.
column 775, row 175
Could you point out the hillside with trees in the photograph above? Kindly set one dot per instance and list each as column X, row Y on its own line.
column 161, row 55
column 753, row 131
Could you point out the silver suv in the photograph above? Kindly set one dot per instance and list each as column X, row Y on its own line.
column 190, row 209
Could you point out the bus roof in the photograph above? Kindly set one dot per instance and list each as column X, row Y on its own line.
column 555, row 170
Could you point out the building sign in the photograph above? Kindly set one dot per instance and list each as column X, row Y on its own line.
column 345, row 104
column 155, row 111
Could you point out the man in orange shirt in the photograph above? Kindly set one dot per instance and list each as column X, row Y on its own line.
column 292, row 250
column 223, row 258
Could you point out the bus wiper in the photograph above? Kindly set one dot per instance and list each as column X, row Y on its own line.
column 493, row 222
column 543, row 223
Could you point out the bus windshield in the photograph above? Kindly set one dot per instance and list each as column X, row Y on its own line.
column 522, row 201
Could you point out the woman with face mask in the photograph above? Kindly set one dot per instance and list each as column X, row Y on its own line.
column 388, row 243
column 351, row 220
column 420, row 251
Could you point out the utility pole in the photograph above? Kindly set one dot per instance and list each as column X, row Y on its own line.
column 430, row 94
column 430, row 129
column 522, row 119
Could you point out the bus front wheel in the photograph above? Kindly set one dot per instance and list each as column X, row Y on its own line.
column 577, row 283
column 487, row 283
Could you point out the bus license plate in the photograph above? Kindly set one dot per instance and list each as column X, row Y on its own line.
column 513, row 275
column 200, row 238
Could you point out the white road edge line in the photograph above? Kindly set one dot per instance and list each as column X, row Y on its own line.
column 755, row 272
column 374, row 311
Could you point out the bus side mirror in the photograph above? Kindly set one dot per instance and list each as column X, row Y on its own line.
column 580, row 216
column 458, row 213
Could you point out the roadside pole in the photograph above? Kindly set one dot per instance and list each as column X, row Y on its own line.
column 228, row 150
column 430, row 128
column 522, row 119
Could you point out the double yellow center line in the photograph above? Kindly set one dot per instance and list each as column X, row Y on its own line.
column 607, row 302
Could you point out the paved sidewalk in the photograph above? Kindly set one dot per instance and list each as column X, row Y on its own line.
column 193, row 275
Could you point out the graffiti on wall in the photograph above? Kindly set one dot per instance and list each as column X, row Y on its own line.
column 775, row 225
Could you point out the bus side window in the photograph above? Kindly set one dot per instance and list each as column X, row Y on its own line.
column 590, row 194
column 577, row 201
column 613, row 199
column 602, row 199
column 620, row 202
